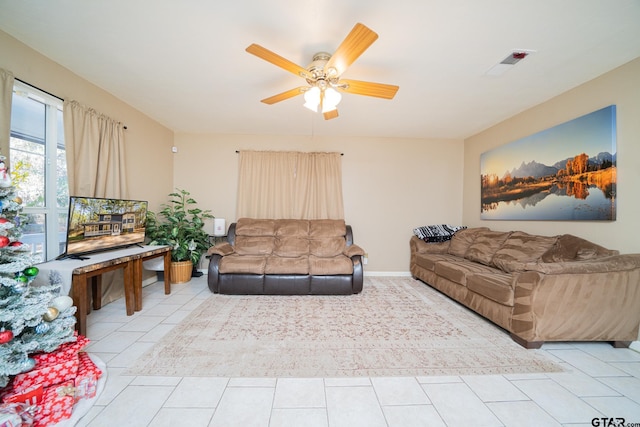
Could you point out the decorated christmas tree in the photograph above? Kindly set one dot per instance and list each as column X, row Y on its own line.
column 34, row 318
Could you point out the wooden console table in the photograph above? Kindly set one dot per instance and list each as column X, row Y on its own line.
column 82, row 274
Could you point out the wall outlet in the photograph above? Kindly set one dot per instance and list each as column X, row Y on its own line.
column 365, row 258
column 174, row 149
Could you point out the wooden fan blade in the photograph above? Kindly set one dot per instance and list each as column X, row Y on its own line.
column 330, row 114
column 277, row 60
column 379, row 90
column 356, row 42
column 284, row 95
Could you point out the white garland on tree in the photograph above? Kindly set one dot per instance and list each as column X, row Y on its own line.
column 29, row 322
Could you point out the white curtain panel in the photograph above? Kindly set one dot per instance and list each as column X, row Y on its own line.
column 95, row 153
column 290, row 184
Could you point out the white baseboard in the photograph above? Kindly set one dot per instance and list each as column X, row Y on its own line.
column 152, row 279
column 388, row 273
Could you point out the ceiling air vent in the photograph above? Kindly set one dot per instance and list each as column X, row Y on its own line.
column 512, row 59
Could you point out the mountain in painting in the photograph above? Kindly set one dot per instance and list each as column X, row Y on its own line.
column 538, row 170
column 533, row 168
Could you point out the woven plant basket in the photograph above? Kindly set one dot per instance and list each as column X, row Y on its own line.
column 181, row 271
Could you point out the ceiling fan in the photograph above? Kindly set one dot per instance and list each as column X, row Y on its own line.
column 323, row 74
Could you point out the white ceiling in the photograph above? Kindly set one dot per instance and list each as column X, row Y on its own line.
column 183, row 62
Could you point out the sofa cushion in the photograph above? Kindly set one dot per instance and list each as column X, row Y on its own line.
column 247, row 264
column 327, row 228
column 327, row 246
column 255, row 227
column 520, row 248
column 495, row 286
column 461, row 241
column 254, row 245
column 569, row 248
column 429, row 261
column 485, row 245
column 290, row 265
column 458, row 271
column 291, row 247
column 291, row 227
column 319, row 266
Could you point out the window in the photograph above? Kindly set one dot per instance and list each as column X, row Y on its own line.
column 39, row 168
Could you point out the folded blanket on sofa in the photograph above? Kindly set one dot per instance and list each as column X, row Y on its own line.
column 437, row 233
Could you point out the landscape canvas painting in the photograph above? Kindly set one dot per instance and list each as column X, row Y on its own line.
column 567, row 172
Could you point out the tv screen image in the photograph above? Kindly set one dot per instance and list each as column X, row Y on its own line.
column 99, row 224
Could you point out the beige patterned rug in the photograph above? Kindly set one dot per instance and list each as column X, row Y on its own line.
column 396, row 327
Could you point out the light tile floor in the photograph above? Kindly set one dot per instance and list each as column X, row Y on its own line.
column 599, row 382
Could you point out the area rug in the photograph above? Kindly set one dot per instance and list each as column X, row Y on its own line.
column 397, row 326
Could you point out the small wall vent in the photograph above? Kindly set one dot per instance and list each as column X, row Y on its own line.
column 512, row 59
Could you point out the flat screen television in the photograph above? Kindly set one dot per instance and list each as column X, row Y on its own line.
column 100, row 224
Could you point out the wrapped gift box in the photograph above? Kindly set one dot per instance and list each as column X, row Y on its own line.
column 54, row 367
column 47, row 375
column 53, row 386
column 9, row 418
column 16, row 415
column 63, row 353
column 87, row 379
column 30, row 396
column 57, row 404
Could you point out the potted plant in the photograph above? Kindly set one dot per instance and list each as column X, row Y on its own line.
column 179, row 224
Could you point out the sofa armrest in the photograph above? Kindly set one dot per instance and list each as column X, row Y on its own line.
column 418, row 245
column 600, row 265
column 222, row 249
column 213, row 277
column 353, row 250
column 596, row 300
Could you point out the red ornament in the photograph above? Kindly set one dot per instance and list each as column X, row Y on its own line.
column 3, row 220
column 16, row 243
column 5, row 336
column 4, row 241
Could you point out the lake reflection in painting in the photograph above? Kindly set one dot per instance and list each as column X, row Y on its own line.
column 554, row 205
column 566, row 173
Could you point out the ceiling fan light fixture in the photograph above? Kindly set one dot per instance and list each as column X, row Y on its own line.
column 312, row 98
column 330, row 99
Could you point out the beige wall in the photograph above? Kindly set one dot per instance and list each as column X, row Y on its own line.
column 620, row 87
column 390, row 186
column 148, row 144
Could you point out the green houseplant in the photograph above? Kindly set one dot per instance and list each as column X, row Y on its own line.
column 180, row 224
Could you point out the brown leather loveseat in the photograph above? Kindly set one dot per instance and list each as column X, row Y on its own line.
column 287, row 257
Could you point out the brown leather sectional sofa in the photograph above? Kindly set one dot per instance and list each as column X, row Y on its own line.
column 539, row 288
column 287, row 257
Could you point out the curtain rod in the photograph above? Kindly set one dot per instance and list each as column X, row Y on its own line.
column 48, row 93
column 41, row 90
column 237, row 151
